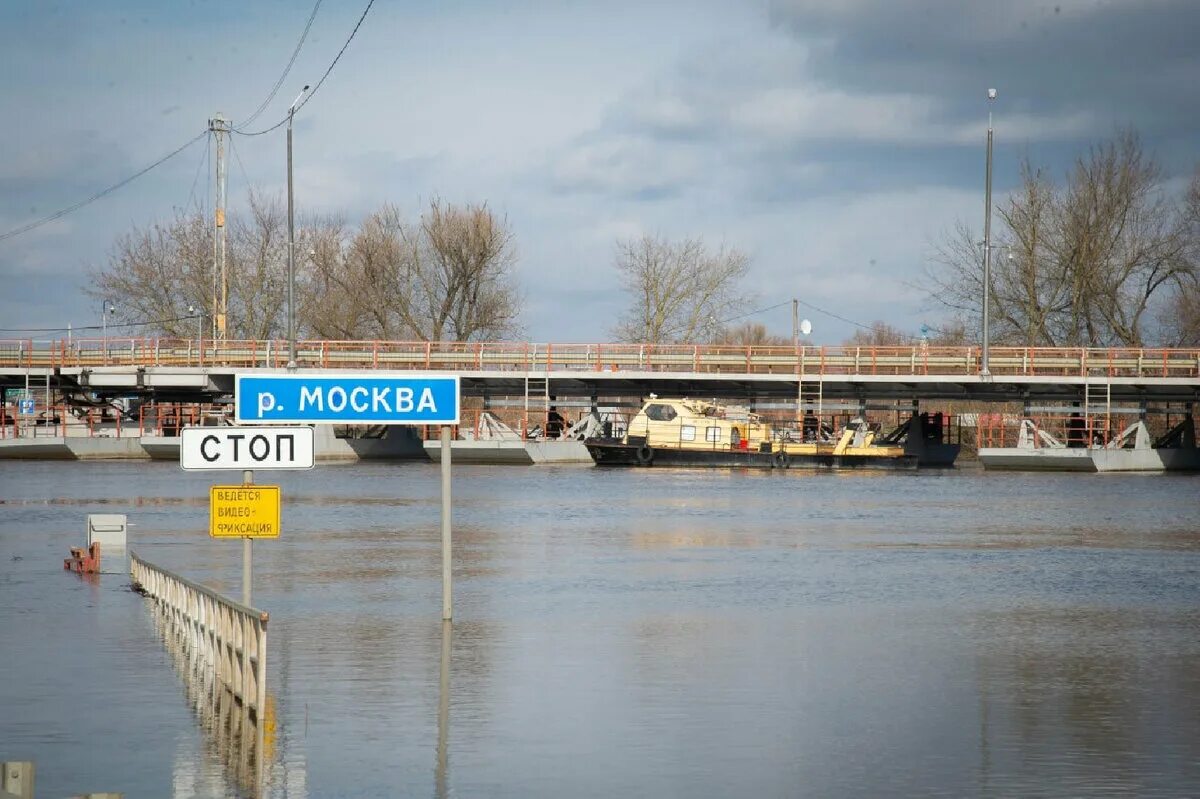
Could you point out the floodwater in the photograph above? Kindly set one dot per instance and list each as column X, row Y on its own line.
column 627, row 633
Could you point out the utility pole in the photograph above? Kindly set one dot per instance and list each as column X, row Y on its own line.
column 987, row 239
column 221, row 127
column 291, row 252
column 796, row 324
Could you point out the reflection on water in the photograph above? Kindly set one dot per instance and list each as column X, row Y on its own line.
column 443, row 734
column 232, row 735
column 660, row 632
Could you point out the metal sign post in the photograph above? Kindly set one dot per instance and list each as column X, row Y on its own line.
column 447, row 593
column 245, row 511
column 368, row 398
column 376, row 398
column 247, row 550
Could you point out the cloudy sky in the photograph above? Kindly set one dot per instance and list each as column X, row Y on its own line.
column 832, row 141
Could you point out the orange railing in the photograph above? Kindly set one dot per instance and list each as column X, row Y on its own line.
column 526, row 357
column 1003, row 430
column 151, row 419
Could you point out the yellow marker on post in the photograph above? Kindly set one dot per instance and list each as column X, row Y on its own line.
column 243, row 511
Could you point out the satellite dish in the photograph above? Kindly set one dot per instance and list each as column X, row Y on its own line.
column 805, row 327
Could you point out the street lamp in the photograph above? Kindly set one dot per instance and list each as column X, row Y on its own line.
column 987, row 238
column 107, row 307
column 199, row 314
column 291, row 364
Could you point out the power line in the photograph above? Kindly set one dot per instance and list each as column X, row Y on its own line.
column 835, row 316
column 821, row 311
column 316, row 88
column 866, row 327
column 70, row 208
column 199, row 168
column 238, row 158
column 754, row 313
column 112, row 326
column 250, row 119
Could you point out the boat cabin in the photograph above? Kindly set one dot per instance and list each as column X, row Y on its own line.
column 696, row 424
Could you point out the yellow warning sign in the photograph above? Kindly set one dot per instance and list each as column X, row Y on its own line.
column 243, row 511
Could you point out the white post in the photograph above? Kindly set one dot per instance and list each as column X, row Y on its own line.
column 447, row 591
column 247, row 550
column 984, row 368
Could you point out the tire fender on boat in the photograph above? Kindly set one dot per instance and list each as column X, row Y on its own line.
column 782, row 461
column 644, row 455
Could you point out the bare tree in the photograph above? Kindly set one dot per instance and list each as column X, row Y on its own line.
column 751, row 334
column 678, row 290
column 880, row 334
column 331, row 301
column 446, row 277
column 1079, row 264
column 1180, row 317
column 465, row 277
column 153, row 275
column 257, row 259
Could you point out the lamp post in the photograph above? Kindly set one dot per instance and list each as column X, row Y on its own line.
column 291, row 364
column 987, row 238
column 107, row 307
column 199, row 331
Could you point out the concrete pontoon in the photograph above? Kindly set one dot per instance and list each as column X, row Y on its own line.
column 1132, row 450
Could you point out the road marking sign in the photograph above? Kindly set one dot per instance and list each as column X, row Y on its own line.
column 246, row 448
column 332, row 398
column 26, row 406
column 245, row 511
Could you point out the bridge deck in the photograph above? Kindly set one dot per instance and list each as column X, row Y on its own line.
column 183, row 366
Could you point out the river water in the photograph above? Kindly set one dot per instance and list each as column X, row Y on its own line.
column 627, row 633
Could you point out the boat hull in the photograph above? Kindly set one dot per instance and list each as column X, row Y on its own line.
column 1090, row 460
column 510, row 452
column 618, row 454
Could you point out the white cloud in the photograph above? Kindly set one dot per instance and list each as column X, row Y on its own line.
column 626, row 165
column 811, row 113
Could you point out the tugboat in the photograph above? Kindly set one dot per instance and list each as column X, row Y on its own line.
column 684, row 432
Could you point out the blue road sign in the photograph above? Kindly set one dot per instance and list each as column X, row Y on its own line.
column 346, row 399
column 26, row 406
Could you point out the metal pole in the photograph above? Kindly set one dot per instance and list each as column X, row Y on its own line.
column 796, row 324
column 107, row 306
column 220, row 126
column 247, row 551
column 291, row 252
column 447, row 589
column 291, row 265
column 987, row 241
column 200, row 335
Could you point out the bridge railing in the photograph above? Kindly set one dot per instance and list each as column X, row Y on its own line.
column 551, row 357
column 227, row 635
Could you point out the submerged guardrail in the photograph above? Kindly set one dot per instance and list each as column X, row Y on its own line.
column 228, row 636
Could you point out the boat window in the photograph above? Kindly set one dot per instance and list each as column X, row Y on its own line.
column 687, row 433
column 660, row 413
column 712, row 434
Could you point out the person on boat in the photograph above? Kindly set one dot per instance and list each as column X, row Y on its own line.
column 1076, row 431
column 810, row 426
column 555, row 423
